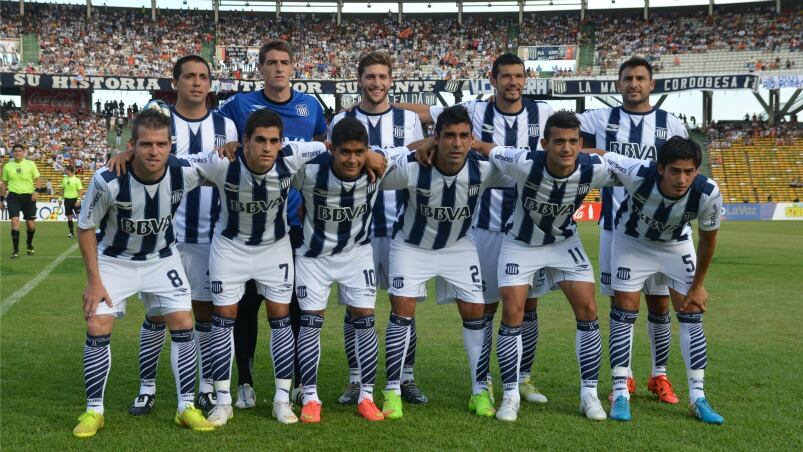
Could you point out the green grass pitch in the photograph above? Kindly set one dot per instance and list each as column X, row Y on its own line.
column 754, row 376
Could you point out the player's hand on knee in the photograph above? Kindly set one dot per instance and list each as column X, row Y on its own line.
column 696, row 298
column 94, row 294
column 117, row 162
column 228, row 150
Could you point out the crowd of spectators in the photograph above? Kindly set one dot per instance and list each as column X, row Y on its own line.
column 724, row 134
column 57, row 139
column 124, row 41
column 669, row 33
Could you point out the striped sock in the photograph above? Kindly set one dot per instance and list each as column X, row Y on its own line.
column 367, row 351
column 588, row 348
column 695, row 352
column 620, row 343
column 97, row 362
column 529, row 341
column 348, row 345
column 659, row 328
column 151, row 341
column 184, row 359
column 309, row 354
column 508, row 352
column 222, row 347
column 409, row 355
column 484, row 363
column 203, row 339
column 282, row 351
column 397, row 340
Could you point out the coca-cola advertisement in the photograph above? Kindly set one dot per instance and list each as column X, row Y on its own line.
column 55, row 100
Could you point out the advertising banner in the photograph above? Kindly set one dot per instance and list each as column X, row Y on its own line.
column 589, row 211
column 788, row 211
column 55, row 100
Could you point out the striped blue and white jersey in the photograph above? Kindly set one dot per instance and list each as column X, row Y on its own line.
column 649, row 215
column 254, row 205
column 637, row 135
column 338, row 212
column 546, row 203
column 198, row 211
column 392, row 128
column 520, row 130
column 440, row 208
column 134, row 219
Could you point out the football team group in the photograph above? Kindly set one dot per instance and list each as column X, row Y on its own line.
column 215, row 211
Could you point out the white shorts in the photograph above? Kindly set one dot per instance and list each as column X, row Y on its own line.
column 459, row 266
column 353, row 272
column 232, row 264
column 652, row 286
column 520, row 264
column 162, row 285
column 195, row 258
column 634, row 261
column 488, row 245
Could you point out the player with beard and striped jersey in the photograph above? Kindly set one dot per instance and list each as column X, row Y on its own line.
column 653, row 237
column 637, row 130
column 194, row 129
column 387, row 126
column 509, row 120
column 433, row 239
column 251, row 242
column 303, row 120
column 338, row 201
column 543, row 240
column 134, row 251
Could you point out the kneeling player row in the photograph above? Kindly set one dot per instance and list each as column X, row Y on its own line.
column 432, row 238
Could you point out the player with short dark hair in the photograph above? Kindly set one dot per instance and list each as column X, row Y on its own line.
column 72, row 190
column 134, row 251
column 303, row 120
column 543, row 249
column 20, row 188
column 636, row 129
column 653, row 237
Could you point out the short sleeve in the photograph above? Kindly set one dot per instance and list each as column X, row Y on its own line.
column 298, row 153
column 588, row 129
column 35, row 171
column 98, row 197
column 709, row 217
column 418, row 129
column 510, row 161
column 397, row 172
column 625, row 169
column 80, row 184
column 602, row 175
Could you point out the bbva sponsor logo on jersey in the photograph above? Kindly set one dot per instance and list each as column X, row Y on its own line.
column 548, row 208
column 445, row 213
column 176, row 195
column 302, row 110
column 147, row 226
column 256, row 206
column 634, row 150
column 338, row 214
column 534, row 130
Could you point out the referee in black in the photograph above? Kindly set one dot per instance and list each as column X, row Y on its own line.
column 20, row 188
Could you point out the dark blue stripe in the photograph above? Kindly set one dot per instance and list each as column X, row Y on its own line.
column 319, row 199
column 586, row 176
column 176, row 186
column 232, row 179
column 120, row 241
column 650, row 175
column 419, row 220
column 661, row 215
column 511, row 133
column 660, row 123
column 280, row 223
column 151, row 213
column 344, row 227
column 606, row 215
column 509, row 196
column 259, row 219
column 525, row 232
column 699, row 187
column 556, row 196
column 214, row 213
column 398, row 122
column 445, row 227
column 487, row 129
column 484, row 215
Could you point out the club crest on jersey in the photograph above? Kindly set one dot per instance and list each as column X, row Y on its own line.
column 688, row 216
column 583, row 189
column 176, row 195
column 220, row 140
column 301, row 292
column 231, row 187
column 473, row 190
column 370, row 187
column 452, row 86
column 302, row 110
column 284, row 182
column 216, row 286
column 398, row 282
column 661, row 133
column 398, row 131
column 534, row 130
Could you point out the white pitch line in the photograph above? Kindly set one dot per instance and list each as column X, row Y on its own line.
column 30, row 285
